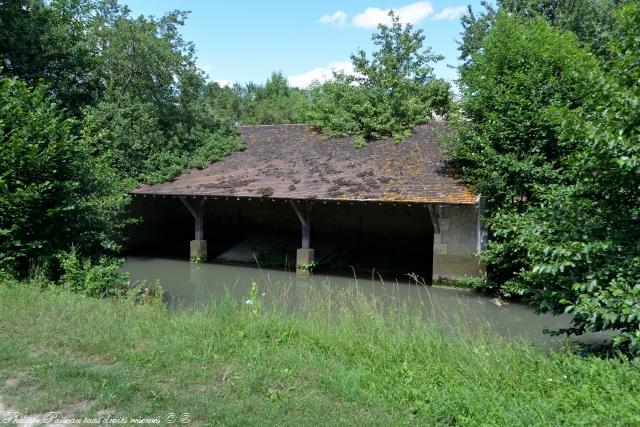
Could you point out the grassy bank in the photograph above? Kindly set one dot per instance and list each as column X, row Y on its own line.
column 226, row 365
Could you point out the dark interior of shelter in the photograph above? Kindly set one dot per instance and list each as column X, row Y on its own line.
column 394, row 239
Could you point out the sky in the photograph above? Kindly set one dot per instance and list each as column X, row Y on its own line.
column 241, row 40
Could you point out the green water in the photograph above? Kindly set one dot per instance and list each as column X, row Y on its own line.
column 186, row 284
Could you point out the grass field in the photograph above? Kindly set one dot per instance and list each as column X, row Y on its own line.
column 337, row 364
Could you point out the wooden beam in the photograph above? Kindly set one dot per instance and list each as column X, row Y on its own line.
column 303, row 216
column 189, row 207
column 197, row 212
column 200, row 221
column 298, row 212
column 434, row 219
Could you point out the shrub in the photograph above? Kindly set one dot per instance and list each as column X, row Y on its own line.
column 559, row 165
column 390, row 93
column 53, row 193
column 507, row 146
column 275, row 257
column 583, row 239
column 100, row 279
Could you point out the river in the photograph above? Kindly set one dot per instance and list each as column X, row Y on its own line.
column 187, row 284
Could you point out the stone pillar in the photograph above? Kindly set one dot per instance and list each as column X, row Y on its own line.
column 304, row 260
column 197, row 246
column 198, row 251
column 455, row 241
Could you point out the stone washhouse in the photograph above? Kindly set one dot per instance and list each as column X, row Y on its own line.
column 308, row 174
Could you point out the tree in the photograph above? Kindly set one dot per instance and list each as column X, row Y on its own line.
column 132, row 82
column 507, row 147
column 390, row 93
column 152, row 121
column 97, row 102
column 50, row 42
column 592, row 21
column 582, row 238
column 551, row 138
column 224, row 101
column 53, row 193
column 275, row 102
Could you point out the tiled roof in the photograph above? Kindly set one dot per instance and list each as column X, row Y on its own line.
column 294, row 162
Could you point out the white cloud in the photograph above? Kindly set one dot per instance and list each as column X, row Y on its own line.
column 207, row 68
column 321, row 74
column 338, row 18
column 225, row 83
column 451, row 13
column 409, row 14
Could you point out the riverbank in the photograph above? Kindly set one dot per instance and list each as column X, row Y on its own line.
column 189, row 285
column 336, row 363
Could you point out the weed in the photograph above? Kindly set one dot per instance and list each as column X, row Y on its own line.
column 341, row 360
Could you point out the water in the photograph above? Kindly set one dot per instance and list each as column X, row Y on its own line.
column 187, row 284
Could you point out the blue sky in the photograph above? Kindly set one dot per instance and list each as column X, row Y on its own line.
column 241, row 40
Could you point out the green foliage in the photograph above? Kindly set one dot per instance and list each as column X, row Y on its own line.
column 254, row 301
column 224, row 101
column 127, row 134
column 306, row 268
column 361, row 362
column 583, row 239
column 122, row 102
column 273, row 103
column 512, row 89
column 390, row 94
column 339, row 108
column 152, row 121
column 53, row 193
column 553, row 144
column 359, row 141
column 507, row 145
column 101, row 279
column 464, row 282
column 275, row 257
column 132, row 82
column 48, row 42
column 591, row 21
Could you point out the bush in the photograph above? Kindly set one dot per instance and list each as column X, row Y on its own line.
column 53, row 193
column 101, row 279
column 583, row 239
column 554, row 144
column 275, row 257
column 390, row 94
column 507, row 146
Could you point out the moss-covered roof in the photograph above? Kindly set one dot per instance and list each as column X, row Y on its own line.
column 294, row 162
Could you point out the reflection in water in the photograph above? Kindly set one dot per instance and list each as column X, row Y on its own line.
column 190, row 284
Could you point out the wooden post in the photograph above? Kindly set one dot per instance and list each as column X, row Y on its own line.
column 200, row 221
column 434, row 219
column 303, row 216
column 198, row 246
column 306, row 234
column 198, row 215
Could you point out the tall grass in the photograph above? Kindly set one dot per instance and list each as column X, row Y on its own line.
column 339, row 360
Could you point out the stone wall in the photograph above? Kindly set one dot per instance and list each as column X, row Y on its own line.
column 459, row 239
